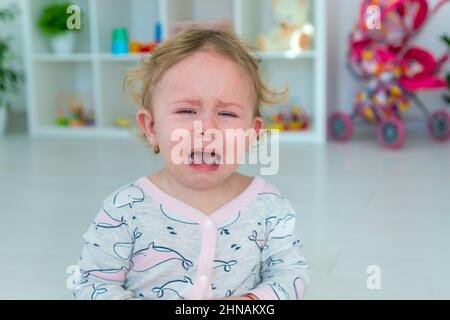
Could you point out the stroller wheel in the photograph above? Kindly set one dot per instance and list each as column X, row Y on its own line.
column 439, row 125
column 340, row 126
column 391, row 133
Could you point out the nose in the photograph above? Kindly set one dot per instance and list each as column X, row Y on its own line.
column 208, row 122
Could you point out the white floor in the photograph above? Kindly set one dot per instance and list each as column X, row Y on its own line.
column 357, row 206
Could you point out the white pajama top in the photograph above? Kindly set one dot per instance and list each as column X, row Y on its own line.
column 147, row 244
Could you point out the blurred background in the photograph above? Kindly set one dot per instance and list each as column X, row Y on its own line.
column 365, row 157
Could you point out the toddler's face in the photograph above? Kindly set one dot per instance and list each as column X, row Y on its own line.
column 204, row 88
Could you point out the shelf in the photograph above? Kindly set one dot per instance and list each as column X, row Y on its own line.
column 94, row 70
column 259, row 18
column 50, row 57
column 40, row 43
column 289, row 55
column 296, row 74
column 83, row 132
column 115, row 103
column 87, row 57
column 199, row 10
column 132, row 57
column 60, row 84
column 139, row 17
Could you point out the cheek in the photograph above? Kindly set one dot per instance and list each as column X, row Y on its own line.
column 168, row 131
column 245, row 121
column 165, row 125
column 170, row 140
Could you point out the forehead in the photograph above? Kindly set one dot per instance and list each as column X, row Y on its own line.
column 206, row 75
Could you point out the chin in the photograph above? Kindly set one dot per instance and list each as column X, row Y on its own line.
column 205, row 179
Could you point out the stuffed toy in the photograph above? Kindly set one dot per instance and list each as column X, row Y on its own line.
column 293, row 30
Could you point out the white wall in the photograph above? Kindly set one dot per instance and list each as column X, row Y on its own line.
column 429, row 38
column 13, row 28
column 341, row 16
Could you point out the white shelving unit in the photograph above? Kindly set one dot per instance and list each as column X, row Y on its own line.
column 94, row 70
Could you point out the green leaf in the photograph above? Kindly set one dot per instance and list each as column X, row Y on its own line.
column 445, row 38
column 447, row 98
column 53, row 19
column 9, row 79
column 9, row 13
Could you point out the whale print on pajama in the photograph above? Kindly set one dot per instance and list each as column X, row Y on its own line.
column 104, row 220
column 226, row 265
column 124, row 250
column 117, row 275
column 98, row 289
column 280, row 228
column 153, row 256
column 225, row 230
column 248, row 283
column 128, row 196
column 261, row 243
column 168, row 215
column 147, row 244
column 270, row 262
column 281, row 292
column 175, row 286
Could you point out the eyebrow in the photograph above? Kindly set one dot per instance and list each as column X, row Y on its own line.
column 189, row 101
column 197, row 102
column 227, row 104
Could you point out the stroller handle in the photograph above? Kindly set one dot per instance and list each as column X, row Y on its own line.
column 432, row 12
column 438, row 5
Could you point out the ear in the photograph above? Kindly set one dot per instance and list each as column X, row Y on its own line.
column 302, row 3
column 146, row 122
column 258, row 125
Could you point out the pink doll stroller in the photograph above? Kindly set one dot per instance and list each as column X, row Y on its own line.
column 393, row 73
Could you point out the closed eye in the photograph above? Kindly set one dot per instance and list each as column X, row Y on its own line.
column 186, row 111
column 228, row 114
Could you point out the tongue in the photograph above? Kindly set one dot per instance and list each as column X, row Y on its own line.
column 203, row 161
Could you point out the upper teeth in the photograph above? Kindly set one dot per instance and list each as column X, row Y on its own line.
column 204, row 157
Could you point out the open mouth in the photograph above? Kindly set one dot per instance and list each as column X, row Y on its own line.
column 204, row 160
column 204, row 157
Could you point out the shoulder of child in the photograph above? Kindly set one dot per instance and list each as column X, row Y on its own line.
column 273, row 198
column 124, row 201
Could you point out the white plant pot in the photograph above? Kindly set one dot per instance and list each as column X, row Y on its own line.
column 63, row 44
column 3, row 120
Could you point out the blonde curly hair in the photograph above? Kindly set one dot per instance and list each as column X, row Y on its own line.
column 141, row 81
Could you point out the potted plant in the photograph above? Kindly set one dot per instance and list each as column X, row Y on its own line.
column 53, row 23
column 9, row 78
